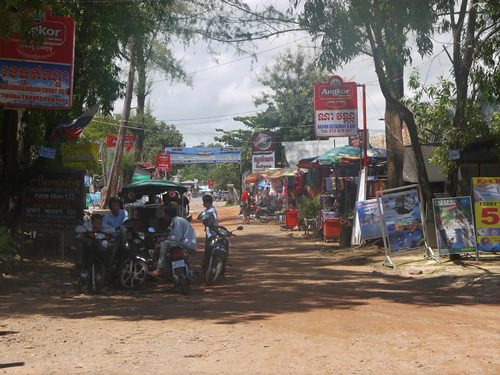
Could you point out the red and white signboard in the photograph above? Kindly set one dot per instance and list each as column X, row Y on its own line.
column 336, row 108
column 210, row 184
column 163, row 162
column 127, row 145
column 39, row 76
column 261, row 162
column 263, row 151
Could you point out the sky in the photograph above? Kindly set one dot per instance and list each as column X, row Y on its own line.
column 226, row 88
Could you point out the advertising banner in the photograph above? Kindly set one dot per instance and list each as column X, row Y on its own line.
column 263, row 151
column 454, row 225
column 183, row 155
column 336, row 108
column 80, row 155
column 210, row 184
column 111, row 141
column 403, row 221
column 486, row 191
column 163, row 162
column 39, row 76
column 54, row 201
column 369, row 219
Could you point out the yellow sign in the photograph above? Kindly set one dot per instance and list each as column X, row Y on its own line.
column 486, row 192
column 80, row 155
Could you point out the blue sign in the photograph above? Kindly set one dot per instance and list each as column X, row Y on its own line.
column 47, row 152
column 369, row 219
column 182, row 155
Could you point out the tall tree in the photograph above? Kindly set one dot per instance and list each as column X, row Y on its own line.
column 288, row 98
column 380, row 29
column 475, row 27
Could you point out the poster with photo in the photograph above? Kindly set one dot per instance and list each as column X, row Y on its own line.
column 454, row 225
column 403, row 221
column 369, row 219
column 486, row 193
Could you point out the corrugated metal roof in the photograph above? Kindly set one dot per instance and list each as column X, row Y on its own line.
column 295, row 151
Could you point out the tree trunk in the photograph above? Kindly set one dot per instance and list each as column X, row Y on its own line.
column 117, row 159
column 10, row 162
column 395, row 147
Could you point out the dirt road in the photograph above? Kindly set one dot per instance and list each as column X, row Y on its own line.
column 287, row 306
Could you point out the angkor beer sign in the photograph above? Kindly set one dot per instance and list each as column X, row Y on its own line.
column 336, row 108
column 39, row 76
column 263, row 151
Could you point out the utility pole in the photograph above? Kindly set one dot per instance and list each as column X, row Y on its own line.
column 117, row 159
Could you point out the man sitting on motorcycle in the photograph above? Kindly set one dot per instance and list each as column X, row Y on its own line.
column 83, row 242
column 181, row 233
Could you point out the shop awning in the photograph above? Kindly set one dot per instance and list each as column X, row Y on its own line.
column 254, row 177
column 280, row 172
column 335, row 155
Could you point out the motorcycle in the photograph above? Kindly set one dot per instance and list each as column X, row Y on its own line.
column 93, row 272
column 218, row 248
column 134, row 259
column 265, row 214
column 178, row 259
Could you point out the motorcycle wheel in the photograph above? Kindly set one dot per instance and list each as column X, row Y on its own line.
column 213, row 273
column 133, row 274
column 184, row 285
column 96, row 274
column 263, row 219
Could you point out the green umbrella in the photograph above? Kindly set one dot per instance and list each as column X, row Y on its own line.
column 336, row 154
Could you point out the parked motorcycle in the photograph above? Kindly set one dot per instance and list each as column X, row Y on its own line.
column 178, row 259
column 218, row 248
column 93, row 272
column 265, row 214
column 134, row 260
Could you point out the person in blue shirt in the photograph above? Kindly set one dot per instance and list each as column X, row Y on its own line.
column 116, row 217
column 115, row 220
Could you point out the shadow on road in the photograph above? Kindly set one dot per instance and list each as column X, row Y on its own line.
column 268, row 275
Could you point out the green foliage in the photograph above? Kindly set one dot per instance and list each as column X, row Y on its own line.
column 224, row 174
column 289, row 97
column 434, row 107
column 308, row 207
column 8, row 250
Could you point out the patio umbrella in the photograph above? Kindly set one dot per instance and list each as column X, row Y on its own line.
column 254, row 177
column 336, row 154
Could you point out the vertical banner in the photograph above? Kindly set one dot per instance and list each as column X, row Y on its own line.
column 263, row 151
column 210, row 184
column 403, row 221
column 39, row 76
column 454, row 225
column 336, row 108
column 369, row 219
column 486, row 191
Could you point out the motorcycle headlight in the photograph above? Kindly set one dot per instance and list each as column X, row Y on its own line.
column 100, row 236
column 223, row 232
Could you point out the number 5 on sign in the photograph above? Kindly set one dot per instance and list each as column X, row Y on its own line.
column 490, row 216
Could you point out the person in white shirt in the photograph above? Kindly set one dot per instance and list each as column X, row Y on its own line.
column 181, row 233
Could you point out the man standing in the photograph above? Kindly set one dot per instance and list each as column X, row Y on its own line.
column 245, row 205
column 181, row 233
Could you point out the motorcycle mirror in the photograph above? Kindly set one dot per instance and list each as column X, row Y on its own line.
column 239, row 228
column 151, row 230
column 190, row 218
